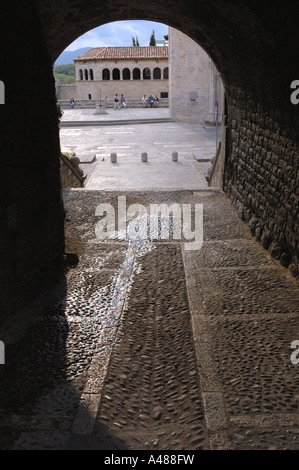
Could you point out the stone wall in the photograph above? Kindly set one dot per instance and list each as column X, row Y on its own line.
column 194, row 81
column 129, row 88
column 261, row 177
column 70, row 176
column 66, row 92
column 31, row 212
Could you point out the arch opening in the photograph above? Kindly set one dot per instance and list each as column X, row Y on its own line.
column 126, row 74
column 115, row 74
column 157, row 73
column 136, row 74
column 242, row 39
column 106, row 74
column 147, row 73
column 154, row 80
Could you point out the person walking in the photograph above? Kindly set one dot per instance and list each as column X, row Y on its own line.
column 72, row 102
column 123, row 102
column 116, row 103
column 106, row 102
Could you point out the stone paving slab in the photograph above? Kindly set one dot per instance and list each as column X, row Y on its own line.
column 152, row 175
column 77, row 115
column 244, row 309
column 159, row 141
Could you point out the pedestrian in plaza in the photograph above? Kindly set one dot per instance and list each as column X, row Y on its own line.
column 151, row 101
column 123, row 102
column 156, row 101
column 144, row 101
column 116, row 102
column 106, row 102
column 72, row 102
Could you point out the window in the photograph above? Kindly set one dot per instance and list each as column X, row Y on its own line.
column 126, row 74
column 106, row 74
column 116, row 74
column 89, row 97
column 146, row 74
column 91, row 74
column 81, row 74
column 165, row 73
column 157, row 74
column 86, row 74
column 163, row 94
column 136, row 74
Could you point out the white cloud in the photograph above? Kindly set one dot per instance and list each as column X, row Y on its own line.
column 120, row 34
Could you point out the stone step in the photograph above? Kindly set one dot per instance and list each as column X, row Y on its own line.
column 94, row 123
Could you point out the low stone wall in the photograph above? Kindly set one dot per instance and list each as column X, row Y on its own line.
column 88, row 104
column 69, row 175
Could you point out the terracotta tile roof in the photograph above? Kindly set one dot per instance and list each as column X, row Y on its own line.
column 112, row 53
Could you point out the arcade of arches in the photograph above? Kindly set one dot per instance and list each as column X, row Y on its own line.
column 125, row 74
column 253, row 45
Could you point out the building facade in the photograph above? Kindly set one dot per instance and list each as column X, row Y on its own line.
column 180, row 71
column 195, row 86
column 131, row 71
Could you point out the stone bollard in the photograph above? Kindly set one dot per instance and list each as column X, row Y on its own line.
column 175, row 157
column 113, row 158
column 144, row 157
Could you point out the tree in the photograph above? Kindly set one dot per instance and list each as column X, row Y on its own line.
column 65, row 73
column 68, row 69
column 152, row 39
column 135, row 41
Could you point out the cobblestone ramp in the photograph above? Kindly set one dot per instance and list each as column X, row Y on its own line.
column 153, row 347
column 151, row 398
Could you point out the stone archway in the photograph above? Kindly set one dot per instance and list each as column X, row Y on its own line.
column 251, row 47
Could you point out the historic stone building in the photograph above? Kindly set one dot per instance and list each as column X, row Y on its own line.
column 195, row 88
column 133, row 71
column 182, row 71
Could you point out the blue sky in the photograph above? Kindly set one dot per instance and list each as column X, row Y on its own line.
column 120, row 34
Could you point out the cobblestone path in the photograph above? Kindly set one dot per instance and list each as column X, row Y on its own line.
column 151, row 397
column 149, row 346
